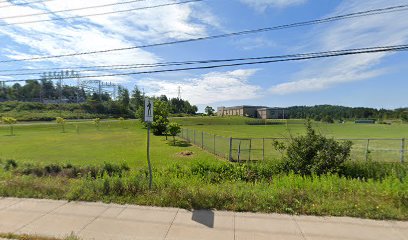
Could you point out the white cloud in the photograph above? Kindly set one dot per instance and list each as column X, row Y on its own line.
column 261, row 5
column 369, row 31
column 208, row 88
column 99, row 32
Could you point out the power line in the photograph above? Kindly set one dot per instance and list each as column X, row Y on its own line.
column 192, row 62
column 104, row 13
column 259, row 30
column 72, row 9
column 304, row 57
column 23, row 4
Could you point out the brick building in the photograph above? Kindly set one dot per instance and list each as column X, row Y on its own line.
column 252, row 111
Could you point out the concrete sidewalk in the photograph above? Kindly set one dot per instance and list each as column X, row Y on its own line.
column 111, row 221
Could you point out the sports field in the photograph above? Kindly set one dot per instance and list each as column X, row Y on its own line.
column 236, row 127
column 385, row 142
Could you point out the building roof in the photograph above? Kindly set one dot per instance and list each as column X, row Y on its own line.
column 240, row 107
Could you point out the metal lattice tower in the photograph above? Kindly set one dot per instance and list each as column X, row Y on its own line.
column 60, row 76
column 179, row 92
column 99, row 87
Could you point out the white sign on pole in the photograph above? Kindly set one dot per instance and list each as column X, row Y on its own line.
column 148, row 110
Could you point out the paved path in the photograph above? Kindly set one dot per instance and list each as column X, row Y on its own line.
column 111, row 221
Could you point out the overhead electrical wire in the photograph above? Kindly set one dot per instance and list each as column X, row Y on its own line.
column 104, row 13
column 297, row 57
column 232, row 34
column 71, row 10
column 105, row 68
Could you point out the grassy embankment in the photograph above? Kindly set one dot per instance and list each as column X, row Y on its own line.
column 51, row 164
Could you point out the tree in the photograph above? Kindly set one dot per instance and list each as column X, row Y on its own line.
column 174, row 129
column 160, row 117
column 123, row 99
column 209, row 111
column 60, row 121
column 10, row 121
column 327, row 119
column 97, row 122
column 181, row 106
column 163, row 98
column 122, row 122
column 404, row 116
column 136, row 100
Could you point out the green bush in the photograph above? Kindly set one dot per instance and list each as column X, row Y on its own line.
column 327, row 119
column 313, row 153
column 174, row 128
column 160, row 118
column 9, row 165
column 67, row 170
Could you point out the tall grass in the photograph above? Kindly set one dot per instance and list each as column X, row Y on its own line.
column 258, row 188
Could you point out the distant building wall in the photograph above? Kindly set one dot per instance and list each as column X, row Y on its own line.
column 271, row 113
column 247, row 111
column 251, row 111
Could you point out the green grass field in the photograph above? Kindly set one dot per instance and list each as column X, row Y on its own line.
column 44, row 142
column 235, row 127
column 113, row 142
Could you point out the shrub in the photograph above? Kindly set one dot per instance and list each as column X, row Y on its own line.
column 327, row 119
column 122, row 122
column 10, row 121
column 174, row 128
column 160, row 118
column 10, row 164
column 61, row 121
column 53, row 169
column 97, row 122
column 68, row 170
column 315, row 154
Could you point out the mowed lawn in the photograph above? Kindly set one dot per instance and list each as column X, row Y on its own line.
column 236, row 127
column 114, row 142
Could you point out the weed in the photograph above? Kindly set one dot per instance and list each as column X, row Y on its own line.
column 9, row 165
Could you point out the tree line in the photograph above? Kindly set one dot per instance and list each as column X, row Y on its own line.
column 46, row 96
column 323, row 112
column 40, row 91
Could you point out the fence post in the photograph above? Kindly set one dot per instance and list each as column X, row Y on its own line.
column 239, row 151
column 202, row 140
column 263, row 149
column 367, row 151
column 214, row 145
column 250, row 147
column 188, row 140
column 230, row 149
column 402, row 149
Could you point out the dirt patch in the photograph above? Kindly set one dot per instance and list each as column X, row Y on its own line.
column 185, row 153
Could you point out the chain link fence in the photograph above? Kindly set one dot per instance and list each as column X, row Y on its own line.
column 218, row 145
column 257, row 149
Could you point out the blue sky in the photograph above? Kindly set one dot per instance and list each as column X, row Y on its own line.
column 372, row 80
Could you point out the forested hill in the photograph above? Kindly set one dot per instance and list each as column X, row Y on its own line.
column 319, row 112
